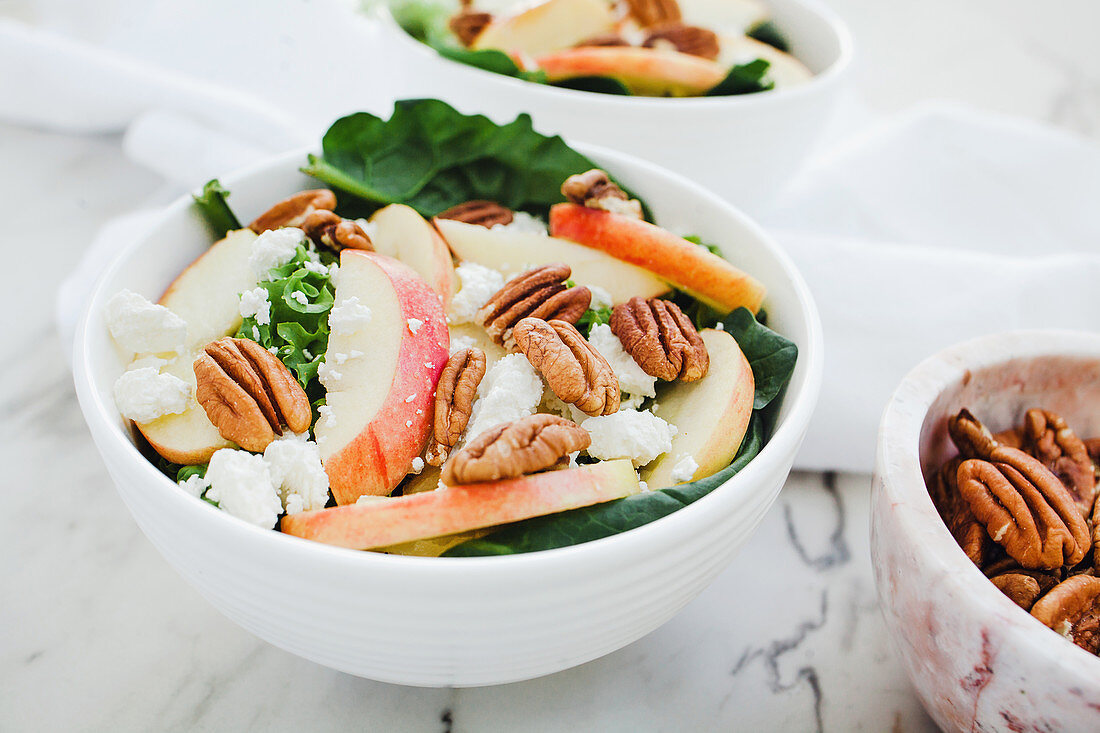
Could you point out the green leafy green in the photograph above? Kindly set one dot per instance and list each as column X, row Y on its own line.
column 603, row 520
column 766, row 31
column 186, row 472
column 298, row 331
column 214, row 209
column 744, row 79
column 593, row 317
column 597, row 84
column 772, row 358
column 431, row 157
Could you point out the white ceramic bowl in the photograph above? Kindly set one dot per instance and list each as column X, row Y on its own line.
column 745, row 147
column 978, row 661
column 449, row 621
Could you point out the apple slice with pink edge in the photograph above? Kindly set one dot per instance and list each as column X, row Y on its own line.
column 711, row 414
column 400, row 232
column 546, row 27
column 380, row 401
column 646, row 71
column 391, row 521
column 685, row 265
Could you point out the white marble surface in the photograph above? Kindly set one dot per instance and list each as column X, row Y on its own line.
column 97, row 633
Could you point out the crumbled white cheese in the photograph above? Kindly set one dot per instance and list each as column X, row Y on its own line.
column 145, row 394
column 333, row 269
column 460, row 342
column 315, row 266
column 720, row 326
column 369, row 228
column 511, row 389
column 274, row 248
column 639, row 436
column 328, row 375
column 1066, row 629
column 478, row 284
column 241, row 484
column 301, row 297
column 195, row 485
column 631, row 401
column 417, row 465
column 553, row 404
column 411, row 397
column 325, row 416
column 408, row 423
column 1000, row 533
column 254, row 303
column 296, row 472
column 631, row 208
column 371, row 499
column 143, row 327
column 524, row 222
column 632, row 379
column 255, row 333
column 684, row 468
column 415, row 324
column 348, row 316
column 307, row 354
column 600, row 298
column 643, row 485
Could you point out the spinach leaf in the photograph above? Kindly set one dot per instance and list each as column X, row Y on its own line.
column 603, row 520
column 431, row 157
column 766, row 31
column 744, row 79
column 712, row 248
column 593, row 317
column 214, row 209
column 771, row 356
column 597, row 84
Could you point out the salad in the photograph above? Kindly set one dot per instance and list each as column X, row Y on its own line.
column 654, row 48
column 472, row 341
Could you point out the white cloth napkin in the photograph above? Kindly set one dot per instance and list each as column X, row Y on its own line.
column 932, row 227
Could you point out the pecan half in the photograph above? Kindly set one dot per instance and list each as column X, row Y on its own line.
column 1032, row 516
column 1047, row 437
column 661, row 339
column 689, row 39
column 596, row 190
column 1024, row 587
column 331, row 230
column 956, row 514
column 575, row 371
column 538, row 293
column 468, row 24
column 1072, row 608
column 454, row 400
column 514, row 449
column 248, row 394
column 291, row 212
column 485, row 213
column 653, row 12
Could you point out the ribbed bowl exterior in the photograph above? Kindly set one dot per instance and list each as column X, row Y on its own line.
column 450, row 621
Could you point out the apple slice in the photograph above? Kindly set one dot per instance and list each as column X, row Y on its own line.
column 206, row 296
column 686, row 266
column 433, row 546
column 547, row 27
column 380, row 406
column 513, row 252
column 456, row 509
column 645, row 71
column 711, row 415
column 405, row 235
column 728, row 15
column 471, row 332
column 785, row 70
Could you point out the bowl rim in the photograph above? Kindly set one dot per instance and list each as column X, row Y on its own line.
column 830, row 19
column 109, row 433
column 898, row 471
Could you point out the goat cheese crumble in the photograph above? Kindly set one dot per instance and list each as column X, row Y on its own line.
column 417, row 465
column 144, row 327
column 510, row 390
column 274, row 248
column 414, row 325
column 478, row 284
column 632, row 379
column 684, row 468
column 525, row 223
column 639, row 436
column 144, row 394
column 195, row 485
column 296, row 472
column 348, row 316
column 600, row 298
column 242, row 485
column 254, row 304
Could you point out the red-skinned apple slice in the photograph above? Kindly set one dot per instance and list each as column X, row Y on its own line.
column 386, row 522
column 405, row 235
column 512, row 252
column 546, row 27
column 711, row 415
column 685, row 265
column 380, row 407
column 205, row 295
column 647, row 71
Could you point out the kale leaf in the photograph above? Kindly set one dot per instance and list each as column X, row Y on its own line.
column 211, row 204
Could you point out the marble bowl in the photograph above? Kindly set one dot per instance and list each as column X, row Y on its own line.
column 449, row 621
column 745, row 148
column 977, row 660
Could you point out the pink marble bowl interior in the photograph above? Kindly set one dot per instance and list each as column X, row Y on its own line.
column 977, row 660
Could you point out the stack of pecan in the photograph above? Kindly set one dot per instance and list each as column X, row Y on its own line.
column 1023, row 506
